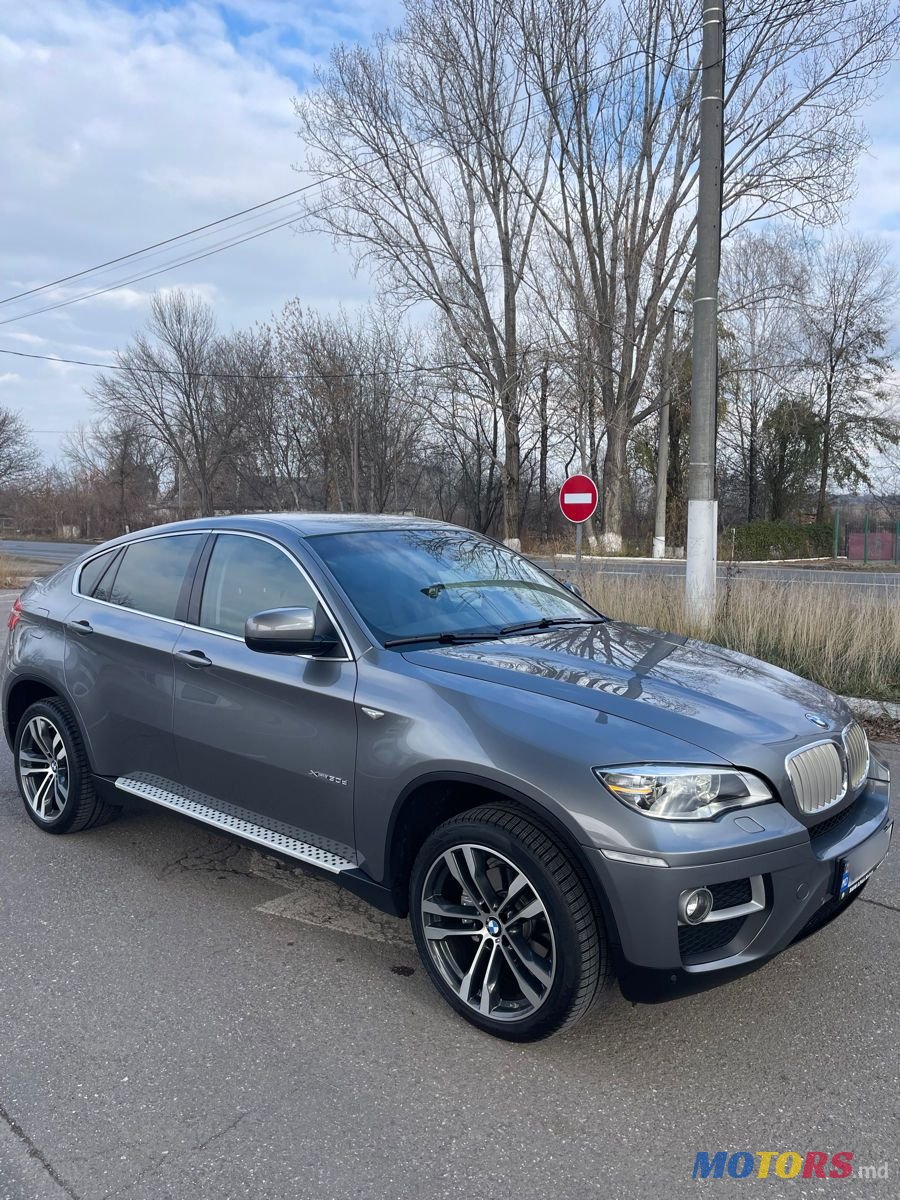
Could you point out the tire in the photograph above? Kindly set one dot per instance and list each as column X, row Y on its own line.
column 504, row 925
column 53, row 772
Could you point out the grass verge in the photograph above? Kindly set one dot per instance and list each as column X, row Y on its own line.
column 11, row 572
column 847, row 640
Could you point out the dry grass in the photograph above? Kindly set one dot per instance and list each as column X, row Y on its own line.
column 11, row 573
column 844, row 638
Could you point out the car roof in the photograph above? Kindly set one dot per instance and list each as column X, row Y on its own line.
column 302, row 524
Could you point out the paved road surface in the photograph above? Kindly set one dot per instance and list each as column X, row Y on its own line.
column 181, row 1020
column 882, row 581
column 53, row 553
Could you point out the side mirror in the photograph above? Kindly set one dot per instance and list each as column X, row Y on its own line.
column 287, row 631
column 572, row 587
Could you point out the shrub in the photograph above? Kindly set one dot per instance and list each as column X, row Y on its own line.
column 777, row 539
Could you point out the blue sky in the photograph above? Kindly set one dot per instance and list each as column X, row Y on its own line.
column 126, row 122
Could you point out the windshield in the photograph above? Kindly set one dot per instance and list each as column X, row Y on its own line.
column 410, row 583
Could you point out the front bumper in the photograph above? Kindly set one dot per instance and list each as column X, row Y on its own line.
column 794, row 889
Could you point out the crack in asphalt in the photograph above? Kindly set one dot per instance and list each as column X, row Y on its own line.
column 35, row 1152
column 880, row 904
column 219, row 1133
column 216, row 858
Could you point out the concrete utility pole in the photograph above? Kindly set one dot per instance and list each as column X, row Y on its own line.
column 702, row 505
column 662, row 454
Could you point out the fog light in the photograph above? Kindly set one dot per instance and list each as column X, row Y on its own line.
column 695, row 906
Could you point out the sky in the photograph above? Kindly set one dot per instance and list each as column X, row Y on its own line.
column 124, row 123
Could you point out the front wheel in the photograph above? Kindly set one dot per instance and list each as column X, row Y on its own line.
column 505, row 926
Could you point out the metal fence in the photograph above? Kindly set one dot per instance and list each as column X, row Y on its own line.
column 876, row 541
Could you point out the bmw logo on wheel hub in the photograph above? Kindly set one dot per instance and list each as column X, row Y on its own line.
column 493, row 927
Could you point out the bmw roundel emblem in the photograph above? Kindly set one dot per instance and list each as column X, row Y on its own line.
column 820, row 721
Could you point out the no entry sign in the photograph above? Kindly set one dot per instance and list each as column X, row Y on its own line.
column 578, row 498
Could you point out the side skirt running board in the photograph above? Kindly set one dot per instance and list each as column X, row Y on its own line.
column 327, row 856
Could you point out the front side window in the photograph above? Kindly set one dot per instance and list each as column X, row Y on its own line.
column 152, row 573
column 410, row 583
column 247, row 576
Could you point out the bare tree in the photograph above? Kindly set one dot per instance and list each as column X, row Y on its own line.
column 119, row 465
column 847, row 314
column 423, row 143
column 621, row 82
column 763, row 279
column 19, row 457
column 167, row 379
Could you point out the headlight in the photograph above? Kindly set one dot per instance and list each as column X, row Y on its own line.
column 682, row 793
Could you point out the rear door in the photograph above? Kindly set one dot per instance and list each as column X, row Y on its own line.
column 119, row 643
column 273, row 734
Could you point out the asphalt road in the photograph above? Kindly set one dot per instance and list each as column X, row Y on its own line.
column 182, row 1020
column 52, row 553
column 882, row 581
column 55, row 553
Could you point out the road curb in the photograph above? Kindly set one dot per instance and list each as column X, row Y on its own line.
column 873, row 708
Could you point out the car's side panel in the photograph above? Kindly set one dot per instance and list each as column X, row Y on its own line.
column 120, row 680
column 272, row 733
column 35, row 649
column 433, row 724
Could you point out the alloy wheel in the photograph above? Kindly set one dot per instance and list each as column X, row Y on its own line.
column 44, row 768
column 488, row 932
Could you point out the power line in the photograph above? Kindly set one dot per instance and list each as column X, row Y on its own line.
column 164, row 242
column 279, row 377
column 123, row 283
column 229, row 243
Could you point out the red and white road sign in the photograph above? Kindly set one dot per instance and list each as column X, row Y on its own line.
column 578, row 498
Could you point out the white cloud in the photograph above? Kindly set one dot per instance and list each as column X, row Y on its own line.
column 9, row 377
column 21, row 336
column 125, row 125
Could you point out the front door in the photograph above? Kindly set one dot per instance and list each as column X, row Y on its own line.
column 269, row 733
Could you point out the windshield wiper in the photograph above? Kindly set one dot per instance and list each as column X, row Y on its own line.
column 445, row 639
column 548, row 622
column 450, row 638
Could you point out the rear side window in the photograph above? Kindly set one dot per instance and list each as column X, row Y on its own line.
column 152, row 573
column 247, row 576
column 92, row 575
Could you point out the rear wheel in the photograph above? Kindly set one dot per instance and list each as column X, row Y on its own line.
column 505, row 926
column 53, row 772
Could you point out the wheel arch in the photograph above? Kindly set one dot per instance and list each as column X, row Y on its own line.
column 21, row 694
column 24, row 691
column 428, row 801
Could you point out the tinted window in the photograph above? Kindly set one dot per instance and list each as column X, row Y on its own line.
column 151, row 574
column 413, row 582
column 93, row 572
column 247, row 576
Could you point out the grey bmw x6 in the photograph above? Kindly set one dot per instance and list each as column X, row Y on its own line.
column 553, row 798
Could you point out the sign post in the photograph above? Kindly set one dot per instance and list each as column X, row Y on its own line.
column 578, row 498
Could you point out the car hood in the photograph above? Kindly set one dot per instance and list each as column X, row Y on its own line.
column 714, row 698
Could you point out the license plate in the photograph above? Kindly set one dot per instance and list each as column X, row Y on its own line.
column 855, row 868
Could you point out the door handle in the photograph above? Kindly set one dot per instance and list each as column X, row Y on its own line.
column 194, row 658
column 80, row 626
